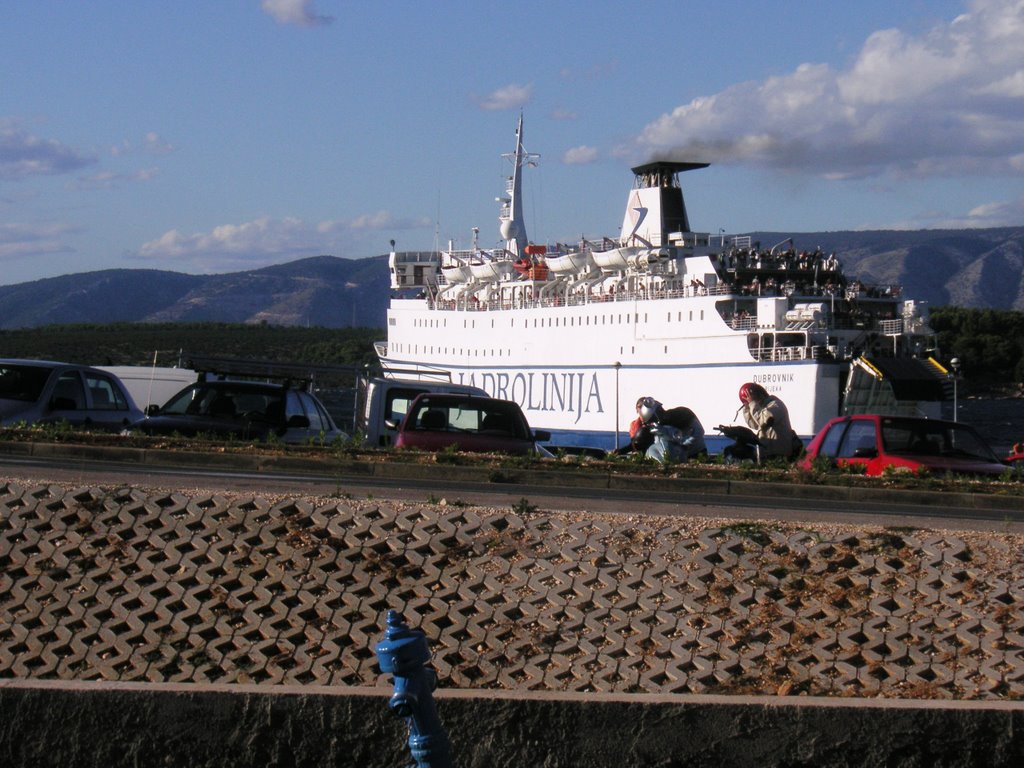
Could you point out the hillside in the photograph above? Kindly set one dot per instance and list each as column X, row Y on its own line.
column 967, row 268
column 322, row 291
column 974, row 268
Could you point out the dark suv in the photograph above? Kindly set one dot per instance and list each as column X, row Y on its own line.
column 245, row 410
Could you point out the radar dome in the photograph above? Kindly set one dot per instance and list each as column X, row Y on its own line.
column 510, row 230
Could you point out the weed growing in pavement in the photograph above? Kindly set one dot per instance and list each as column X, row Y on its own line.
column 443, row 502
column 756, row 532
column 523, row 507
column 52, row 430
column 448, row 455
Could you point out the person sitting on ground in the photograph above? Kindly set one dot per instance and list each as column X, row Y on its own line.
column 768, row 417
column 673, row 434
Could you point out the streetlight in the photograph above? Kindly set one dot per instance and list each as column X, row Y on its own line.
column 955, row 365
column 618, row 367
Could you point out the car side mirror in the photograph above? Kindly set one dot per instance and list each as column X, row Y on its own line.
column 152, row 409
column 541, row 435
column 390, row 423
column 298, row 421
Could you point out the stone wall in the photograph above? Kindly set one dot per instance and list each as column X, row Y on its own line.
column 109, row 725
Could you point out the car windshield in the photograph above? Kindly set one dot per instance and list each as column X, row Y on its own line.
column 23, row 382
column 922, row 438
column 487, row 417
column 225, row 401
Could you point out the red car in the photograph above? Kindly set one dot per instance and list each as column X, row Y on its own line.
column 1016, row 457
column 879, row 442
column 436, row 421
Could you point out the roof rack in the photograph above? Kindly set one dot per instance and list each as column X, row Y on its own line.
column 303, row 373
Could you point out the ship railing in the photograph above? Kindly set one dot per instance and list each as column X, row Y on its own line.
column 785, row 354
column 689, row 239
column 473, row 304
column 891, row 327
column 737, row 323
column 417, row 257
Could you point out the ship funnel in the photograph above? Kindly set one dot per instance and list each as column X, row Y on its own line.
column 655, row 207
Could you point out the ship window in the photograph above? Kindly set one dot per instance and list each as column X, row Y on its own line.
column 702, row 314
column 691, row 315
column 666, row 349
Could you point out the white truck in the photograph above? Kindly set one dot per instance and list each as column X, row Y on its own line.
column 383, row 399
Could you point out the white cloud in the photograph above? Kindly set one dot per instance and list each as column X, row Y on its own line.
column 265, row 240
column 152, row 144
column 511, row 96
column 995, row 214
column 580, row 155
column 113, row 180
column 24, row 241
column 297, row 12
column 23, row 155
column 949, row 101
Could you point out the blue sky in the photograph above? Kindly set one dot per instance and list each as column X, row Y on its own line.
column 208, row 137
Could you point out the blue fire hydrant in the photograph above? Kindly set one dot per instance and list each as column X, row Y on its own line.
column 404, row 654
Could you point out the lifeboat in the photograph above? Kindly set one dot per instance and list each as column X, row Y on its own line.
column 615, row 259
column 573, row 262
column 455, row 273
column 492, row 270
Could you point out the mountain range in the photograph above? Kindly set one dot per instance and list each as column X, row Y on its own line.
column 976, row 268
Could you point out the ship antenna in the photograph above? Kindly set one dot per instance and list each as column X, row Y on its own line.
column 512, row 226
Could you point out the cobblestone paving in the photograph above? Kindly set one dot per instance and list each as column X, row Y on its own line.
column 132, row 585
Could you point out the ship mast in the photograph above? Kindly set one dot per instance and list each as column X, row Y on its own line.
column 511, row 224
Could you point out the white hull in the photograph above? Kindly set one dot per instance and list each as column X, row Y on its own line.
column 581, row 369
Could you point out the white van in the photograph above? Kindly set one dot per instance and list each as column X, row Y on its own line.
column 151, row 385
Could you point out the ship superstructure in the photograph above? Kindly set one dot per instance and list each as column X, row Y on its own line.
column 577, row 332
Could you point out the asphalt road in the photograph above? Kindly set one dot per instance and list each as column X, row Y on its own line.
column 895, row 509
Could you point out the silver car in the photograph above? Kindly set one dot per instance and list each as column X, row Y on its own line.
column 47, row 392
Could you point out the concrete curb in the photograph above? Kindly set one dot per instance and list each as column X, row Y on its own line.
column 571, row 477
column 110, row 725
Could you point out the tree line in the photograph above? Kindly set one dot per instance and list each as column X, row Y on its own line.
column 171, row 343
column 988, row 342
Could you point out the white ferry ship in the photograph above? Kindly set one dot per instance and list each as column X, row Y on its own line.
column 576, row 333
